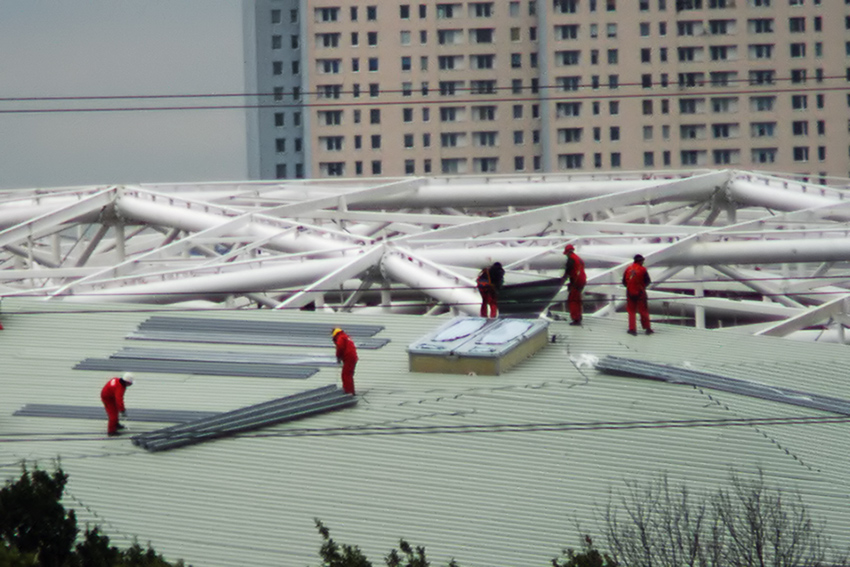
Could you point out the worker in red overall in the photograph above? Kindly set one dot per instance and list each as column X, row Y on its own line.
column 346, row 353
column 574, row 272
column 112, row 396
column 636, row 279
column 489, row 282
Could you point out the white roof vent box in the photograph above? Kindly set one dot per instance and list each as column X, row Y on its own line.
column 477, row 345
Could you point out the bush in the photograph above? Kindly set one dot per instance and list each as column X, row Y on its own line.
column 37, row 531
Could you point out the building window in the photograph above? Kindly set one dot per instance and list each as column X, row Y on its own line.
column 409, row 167
column 376, row 167
column 689, row 157
column 762, row 129
column 375, row 116
column 723, row 157
column 571, row 161
column 762, row 103
column 800, row 153
column 333, row 168
column 797, row 25
column 327, row 14
column 760, row 25
column 762, row 77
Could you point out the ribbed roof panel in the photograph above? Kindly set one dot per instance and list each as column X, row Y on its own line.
column 491, row 470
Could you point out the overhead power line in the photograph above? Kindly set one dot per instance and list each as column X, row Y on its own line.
column 589, row 93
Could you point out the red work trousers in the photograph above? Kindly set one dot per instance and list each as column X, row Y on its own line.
column 111, row 412
column 574, row 302
column 488, row 299
column 637, row 304
column 348, row 375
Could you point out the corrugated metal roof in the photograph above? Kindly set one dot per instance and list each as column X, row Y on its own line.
column 490, row 470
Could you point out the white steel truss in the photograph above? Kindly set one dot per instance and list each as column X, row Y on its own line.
column 764, row 253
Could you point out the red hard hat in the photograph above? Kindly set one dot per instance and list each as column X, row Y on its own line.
column 569, row 248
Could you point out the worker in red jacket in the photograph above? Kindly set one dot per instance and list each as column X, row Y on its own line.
column 574, row 272
column 489, row 282
column 112, row 396
column 636, row 279
column 346, row 353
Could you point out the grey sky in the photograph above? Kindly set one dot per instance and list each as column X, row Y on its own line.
column 60, row 48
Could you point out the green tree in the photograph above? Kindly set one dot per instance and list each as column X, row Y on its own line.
column 334, row 555
column 11, row 557
column 37, row 531
column 33, row 520
column 589, row 556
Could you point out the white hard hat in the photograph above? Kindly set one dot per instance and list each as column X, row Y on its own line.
column 128, row 377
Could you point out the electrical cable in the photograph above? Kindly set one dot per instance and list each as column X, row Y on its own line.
column 444, row 100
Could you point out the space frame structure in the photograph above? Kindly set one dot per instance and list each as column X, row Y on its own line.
column 760, row 253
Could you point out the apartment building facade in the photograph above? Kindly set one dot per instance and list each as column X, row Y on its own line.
column 349, row 88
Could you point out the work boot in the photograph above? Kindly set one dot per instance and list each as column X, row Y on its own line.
column 576, row 322
column 121, row 426
column 632, row 332
column 649, row 331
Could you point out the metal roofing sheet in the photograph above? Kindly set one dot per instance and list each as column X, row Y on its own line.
column 218, row 355
column 272, row 412
column 97, row 412
column 311, row 341
column 494, row 471
column 216, row 368
column 677, row 375
column 231, row 325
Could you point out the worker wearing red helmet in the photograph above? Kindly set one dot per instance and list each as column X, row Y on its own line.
column 636, row 279
column 112, row 396
column 346, row 353
column 574, row 272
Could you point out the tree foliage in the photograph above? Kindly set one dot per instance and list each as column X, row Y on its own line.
column 37, row 531
column 335, row 555
column 589, row 556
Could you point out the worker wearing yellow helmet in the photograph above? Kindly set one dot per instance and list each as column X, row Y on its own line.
column 346, row 353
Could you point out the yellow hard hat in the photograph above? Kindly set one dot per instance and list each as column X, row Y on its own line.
column 335, row 332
